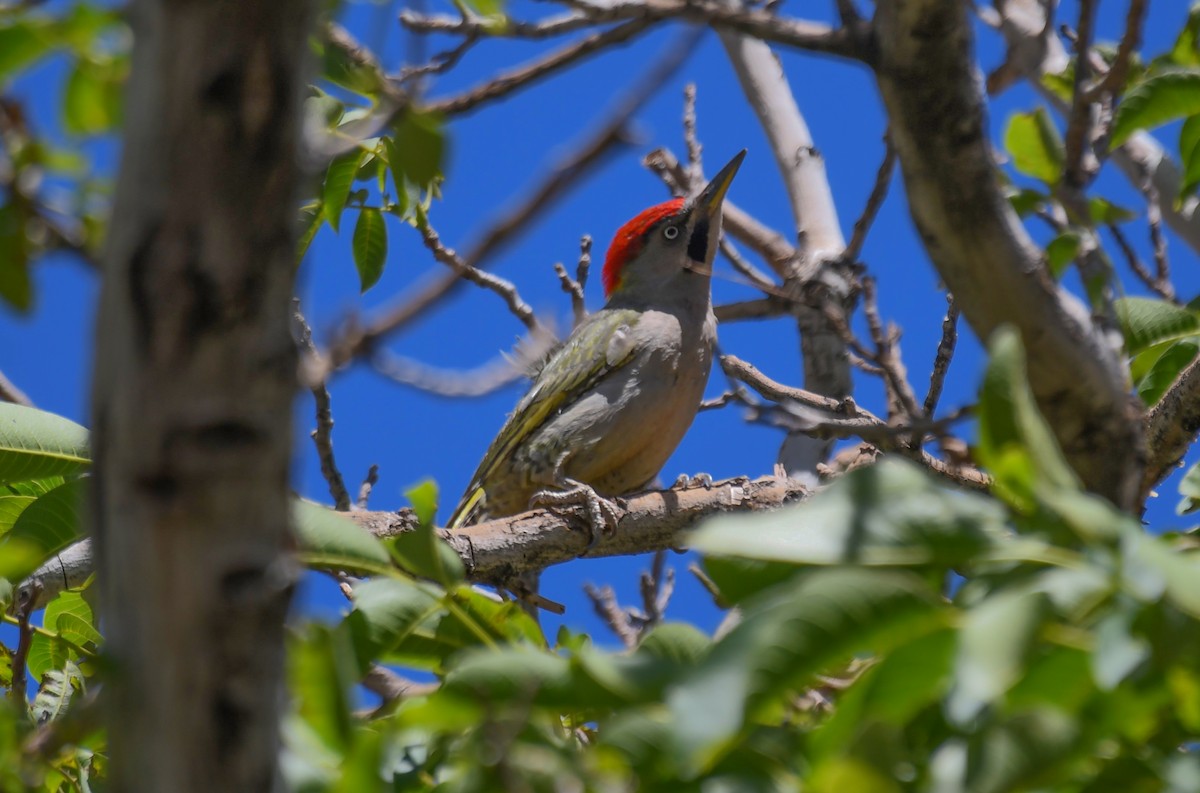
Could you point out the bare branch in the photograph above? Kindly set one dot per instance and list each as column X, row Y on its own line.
column 694, row 149
column 982, row 251
column 883, row 178
column 368, row 483
column 355, row 341
column 323, row 434
column 524, row 76
column 1114, row 81
column 1162, row 287
column 1081, row 118
column 505, row 289
column 762, row 308
column 470, row 383
column 17, row 691
column 941, row 361
column 10, row 393
column 604, row 602
column 1172, row 426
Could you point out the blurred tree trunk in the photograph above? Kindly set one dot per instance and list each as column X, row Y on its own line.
column 194, row 379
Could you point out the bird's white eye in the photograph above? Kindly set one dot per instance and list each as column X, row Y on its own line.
column 671, row 232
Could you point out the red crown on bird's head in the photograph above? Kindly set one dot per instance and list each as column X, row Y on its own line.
column 631, row 237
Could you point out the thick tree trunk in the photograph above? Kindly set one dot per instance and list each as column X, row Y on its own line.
column 194, row 380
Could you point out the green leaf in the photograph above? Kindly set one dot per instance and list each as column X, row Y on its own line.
column 52, row 522
column 321, row 672
column 890, row 513
column 1189, row 156
column 1186, row 49
column 35, row 444
column 328, row 539
column 1105, row 211
column 992, row 647
column 790, row 633
column 386, row 613
column 1166, row 369
column 1025, row 200
column 1152, row 569
column 424, row 552
column 1189, row 488
column 1015, row 443
column 1035, row 146
column 369, row 246
column 1162, row 98
column 678, row 642
column 341, row 66
column 16, row 288
column 22, row 41
column 311, row 217
column 70, row 616
column 91, row 98
column 339, row 178
column 11, row 508
column 1146, row 322
column 418, row 148
column 1061, row 251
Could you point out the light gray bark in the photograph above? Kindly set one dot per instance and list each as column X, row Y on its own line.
column 195, row 375
column 926, row 73
column 818, row 232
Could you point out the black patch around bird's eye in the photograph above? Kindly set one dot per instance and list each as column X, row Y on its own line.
column 698, row 244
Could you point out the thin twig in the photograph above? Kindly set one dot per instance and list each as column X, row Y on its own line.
column 355, row 341
column 757, row 277
column 1163, row 288
column 941, row 361
column 1079, row 119
column 1114, row 81
column 1158, row 241
column 524, row 76
column 323, row 434
column 604, row 602
column 656, row 585
column 468, row 383
column 506, row 290
column 762, row 308
column 10, row 393
column 694, row 149
column 18, row 687
column 368, row 483
column 883, row 179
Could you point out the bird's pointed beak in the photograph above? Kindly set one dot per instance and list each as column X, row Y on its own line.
column 713, row 194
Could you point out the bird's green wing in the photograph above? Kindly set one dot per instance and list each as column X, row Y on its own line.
column 596, row 348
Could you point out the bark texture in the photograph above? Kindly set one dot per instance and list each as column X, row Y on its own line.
column 195, row 375
column 932, row 92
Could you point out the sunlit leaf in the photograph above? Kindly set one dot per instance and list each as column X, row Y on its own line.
column 1189, row 155
column 418, row 148
column 1147, row 321
column 339, row 178
column 1035, row 146
column 890, row 513
column 1156, row 101
column 53, row 521
column 369, row 246
column 328, row 539
column 35, row 444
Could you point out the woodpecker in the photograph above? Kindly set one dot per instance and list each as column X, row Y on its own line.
column 612, row 403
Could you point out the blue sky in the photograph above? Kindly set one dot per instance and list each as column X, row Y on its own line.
column 497, row 154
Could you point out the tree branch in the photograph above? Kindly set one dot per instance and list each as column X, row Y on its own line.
column 925, row 72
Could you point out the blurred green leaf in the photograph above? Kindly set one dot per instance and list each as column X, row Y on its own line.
column 1105, row 211
column 786, row 635
column 1189, row 156
column 1189, row 488
column 1025, row 200
column 328, row 539
column 16, row 287
column 23, row 41
column 1061, row 251
column 423, row 552
column 11, row 508
column 992, row 647
column 92, row 97
column 1151, row 569
column 35, row 444
column 321, row 671
column 1015, row 443
column 418, row 148
column 891, row 513
column 369, row 246
column 1035, row 146
column 1159, row 99
column 677, row 642
column 339, row 178
column 386, row 613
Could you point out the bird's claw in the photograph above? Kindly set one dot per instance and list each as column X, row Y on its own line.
column 603, row 515
column 685, row 482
